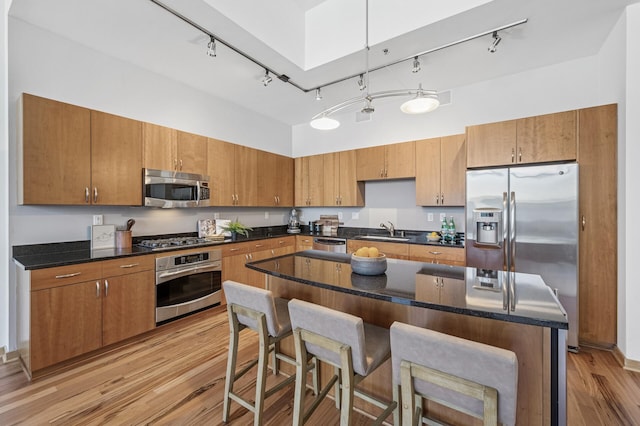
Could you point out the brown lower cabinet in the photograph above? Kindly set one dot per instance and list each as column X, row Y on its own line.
column 76, row 309
column 235, row 256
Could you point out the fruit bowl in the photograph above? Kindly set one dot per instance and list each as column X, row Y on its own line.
column 369, row 265
column 433, row 238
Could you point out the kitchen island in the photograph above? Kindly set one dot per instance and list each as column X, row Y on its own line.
column 471, row 303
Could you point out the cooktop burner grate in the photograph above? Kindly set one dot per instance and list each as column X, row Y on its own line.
column 169, row 243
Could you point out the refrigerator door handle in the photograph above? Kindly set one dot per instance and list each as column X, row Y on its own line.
column 512, row 231
column 512, row 291
column 505, row 293
column 505, row 228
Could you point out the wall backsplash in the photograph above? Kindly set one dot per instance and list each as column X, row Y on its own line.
column 393, row 201
column 385, row 201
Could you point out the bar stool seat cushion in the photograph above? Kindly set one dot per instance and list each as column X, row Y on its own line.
column 478, row 362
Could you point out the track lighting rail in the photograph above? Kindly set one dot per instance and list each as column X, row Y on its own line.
column 286, row 79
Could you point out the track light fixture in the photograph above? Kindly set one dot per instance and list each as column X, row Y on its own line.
column 361, row 84
column 318, row 95
column 416, row 65
column 496, row 41
column 211, row 47
column 267, row 78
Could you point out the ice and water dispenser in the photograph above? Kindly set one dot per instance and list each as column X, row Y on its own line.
column 488, row 226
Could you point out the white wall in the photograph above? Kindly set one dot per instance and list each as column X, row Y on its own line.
column 629, row 252
column 4, row 187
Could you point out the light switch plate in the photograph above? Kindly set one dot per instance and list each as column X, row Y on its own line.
column 430, row 217
column 442, row 216
column 98, row 219
column 266, row 215
column 339, row 215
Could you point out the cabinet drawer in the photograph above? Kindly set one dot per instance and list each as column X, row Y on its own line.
column 437, row 254
column 277, row 243
column 237, row 248
column 129, row 265
column 64, row 275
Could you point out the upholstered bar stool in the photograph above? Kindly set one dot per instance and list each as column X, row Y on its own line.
column 258, row 310
column 354, row 348
column 470, row 377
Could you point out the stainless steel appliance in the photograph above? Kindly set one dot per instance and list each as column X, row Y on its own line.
column 169, row 189
column 294, row 222
column 186, row 283
column 336, row 245
column 533, row 212
column 173, row 243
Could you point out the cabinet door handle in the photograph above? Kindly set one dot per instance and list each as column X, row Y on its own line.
column 86, row 194
column 513, row 155
column 259, row 245
column 442, row 198
column 435, row 253
column 97, row 289
column 520, row 155
column 181, row 164
column 584, row 222
column 106, row 288
column 175, row 164
column 131, row 265
column 278, row 197
column 74, row 274
column 95, row 194
column 234, row 249
column 282, row 242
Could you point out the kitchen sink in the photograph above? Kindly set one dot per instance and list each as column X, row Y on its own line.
column 382, row 238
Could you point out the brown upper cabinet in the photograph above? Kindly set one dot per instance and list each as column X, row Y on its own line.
column 233, row 174
column 440, row 171
column 72, row 155
column 340, row 186
column 275, row 180
column 171, row 149
column 309, row 178
column 394, row 161
column 539, row 139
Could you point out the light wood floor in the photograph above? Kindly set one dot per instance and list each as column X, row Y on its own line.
column 176, row 376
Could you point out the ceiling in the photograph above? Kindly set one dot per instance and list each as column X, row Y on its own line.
column 318, row 41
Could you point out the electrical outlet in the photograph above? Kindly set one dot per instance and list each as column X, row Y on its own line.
column 216, row 215
column 442, row 216
column 430, row 217
column 339, row 215
column 266, row 215
column 98, row 219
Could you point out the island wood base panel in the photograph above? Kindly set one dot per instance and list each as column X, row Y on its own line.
column 530, row 343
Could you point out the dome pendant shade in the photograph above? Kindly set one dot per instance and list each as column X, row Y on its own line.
column 420, row 104
column 324, row 123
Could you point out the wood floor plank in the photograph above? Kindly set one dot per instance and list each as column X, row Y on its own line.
column 176, row 375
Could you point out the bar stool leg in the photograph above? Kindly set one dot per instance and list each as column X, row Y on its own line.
column 274, row 359
column 261, row 380
column 336, row 387
column 397, row 412
column 348, row 384
column 301, row 380
column 231, row 366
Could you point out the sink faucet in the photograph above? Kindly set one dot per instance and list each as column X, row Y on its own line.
column 391, row 228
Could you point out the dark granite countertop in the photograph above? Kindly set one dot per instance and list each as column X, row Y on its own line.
column 466, row 291
column 39, row 256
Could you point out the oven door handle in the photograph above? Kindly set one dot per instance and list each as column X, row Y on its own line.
column 166, row 276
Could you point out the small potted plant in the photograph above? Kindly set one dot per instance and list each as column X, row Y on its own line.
column 235, row 227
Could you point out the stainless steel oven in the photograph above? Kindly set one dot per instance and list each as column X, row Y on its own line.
column 186, row 283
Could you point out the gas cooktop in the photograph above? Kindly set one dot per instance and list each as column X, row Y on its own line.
column 172, row 243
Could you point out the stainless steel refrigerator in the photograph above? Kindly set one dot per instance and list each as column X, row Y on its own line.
column 525, row 219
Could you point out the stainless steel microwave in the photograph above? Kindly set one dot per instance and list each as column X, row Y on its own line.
column 169, row 189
